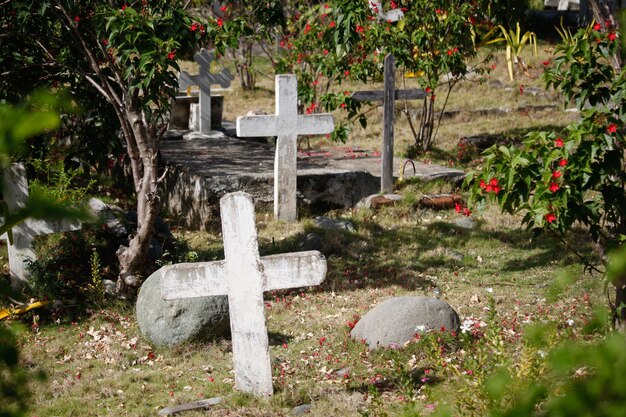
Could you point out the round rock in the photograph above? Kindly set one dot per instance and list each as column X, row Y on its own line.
column 395, row 321
column 172, row 322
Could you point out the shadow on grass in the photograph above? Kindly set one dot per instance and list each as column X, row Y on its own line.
column 407, row 257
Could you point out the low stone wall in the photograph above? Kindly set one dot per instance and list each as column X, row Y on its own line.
column 194, row 200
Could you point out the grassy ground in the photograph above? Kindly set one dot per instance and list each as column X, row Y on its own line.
column 500, row 279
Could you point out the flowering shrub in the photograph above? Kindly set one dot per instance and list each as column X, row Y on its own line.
column 344, row 39
column 560, row 178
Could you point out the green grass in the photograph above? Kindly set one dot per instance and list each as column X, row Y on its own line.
column 496, row 274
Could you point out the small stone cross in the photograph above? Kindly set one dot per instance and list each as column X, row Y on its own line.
column 204, row 79
column 15, row 196
column 244, row 276
column 286, row 124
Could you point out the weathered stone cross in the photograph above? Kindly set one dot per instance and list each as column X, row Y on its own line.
column 287, row 124
column 15, row 196
column 204, row 79
column 243, row 276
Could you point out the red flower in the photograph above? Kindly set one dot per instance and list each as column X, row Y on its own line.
column 428, row 90
column 105, row 42
column 457, row 207
column 307, row 28
column 220, row 22
column 521, row 90
column 554, row 187
column 332, row 25
column 558, row 142
column 496, row 189
column 223, row 8
column 482, row 184
column 612, row 36
column 611, row 128
column 360, row 29
column 467, row 212
column 346, row 72
column 493, row 66
column 550, row 217
column 76, row 19
column 562, row 162
column 597, row 26
column 556, row 174
column 546, row 63
column 493, row 182
column 194, row 26
column 171, row 55
column 325, row 51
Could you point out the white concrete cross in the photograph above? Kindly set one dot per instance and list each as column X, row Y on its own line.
column 204, row 79
column 286, row 124
column 15, row 196
column 244, row 276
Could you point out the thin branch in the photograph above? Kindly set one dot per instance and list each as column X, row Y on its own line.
column 583, row 259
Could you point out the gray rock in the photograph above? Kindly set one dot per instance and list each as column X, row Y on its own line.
column 465, row 223
column 456, row 256
column 168, row 323
column 395, row 321
column 109, row 286
column 173, row 134
column 324, row 222
column 301, row 409
column 105, row 214
column 312, row 241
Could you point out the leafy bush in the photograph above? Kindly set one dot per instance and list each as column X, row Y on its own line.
column 64, row 271
column 559, row 178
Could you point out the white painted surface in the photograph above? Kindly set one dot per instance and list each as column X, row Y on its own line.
column 15, row 196
column 243, row 276
column 286, row 124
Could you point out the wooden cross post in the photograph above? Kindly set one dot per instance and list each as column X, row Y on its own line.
column 244, row 276
column 21, row 249
column 204, row 79
column 389, row 95
column 286, row 124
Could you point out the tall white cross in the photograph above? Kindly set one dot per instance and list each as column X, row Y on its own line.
column 15, row 196
column 286, row 124
column 243, row 276
column 204, row 79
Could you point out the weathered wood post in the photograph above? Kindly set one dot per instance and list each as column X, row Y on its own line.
column 389, row 95
column 389, row 108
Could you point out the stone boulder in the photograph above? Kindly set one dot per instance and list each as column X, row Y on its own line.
column 173, row 322
column 395, row 321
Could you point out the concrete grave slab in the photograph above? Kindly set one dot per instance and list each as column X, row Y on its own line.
column 202, row 170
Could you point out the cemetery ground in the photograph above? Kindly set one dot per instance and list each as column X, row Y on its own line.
column 503, row 282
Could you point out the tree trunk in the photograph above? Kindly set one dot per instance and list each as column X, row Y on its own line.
column 132, row 257
column 619, row 315
column 423, row 141
column 602, row 12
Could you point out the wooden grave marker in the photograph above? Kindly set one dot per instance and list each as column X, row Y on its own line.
column 388, row 96
column 204, row 79
column 244, row 276
column 21, row 249
column 286, row 124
